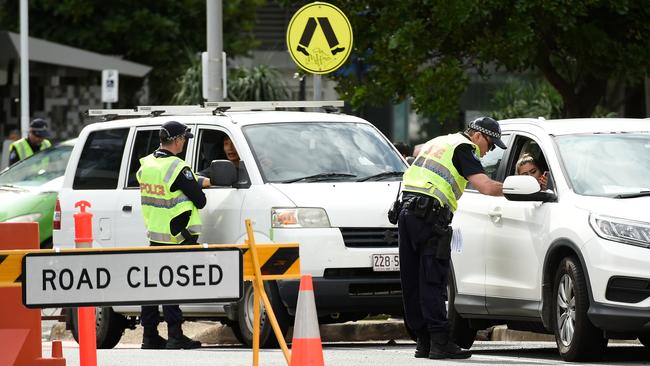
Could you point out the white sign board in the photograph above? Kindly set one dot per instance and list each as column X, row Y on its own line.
column 131, row 277
column 110, row 88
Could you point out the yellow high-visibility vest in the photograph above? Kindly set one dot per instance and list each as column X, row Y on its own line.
column 159, row 204
column 24, row 150
column 433, row 172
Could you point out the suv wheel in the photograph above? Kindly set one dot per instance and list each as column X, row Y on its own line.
column 577, row 339
column 245, row 316
column 462, row 334
column 109, row 327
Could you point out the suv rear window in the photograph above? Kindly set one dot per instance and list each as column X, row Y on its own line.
column 99, row 164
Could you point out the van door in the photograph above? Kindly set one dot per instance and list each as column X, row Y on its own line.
column 96, row 180
column 129, row 218
column 222, row 221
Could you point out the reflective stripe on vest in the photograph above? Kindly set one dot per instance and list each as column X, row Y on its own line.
column 169, row 238
column 159, row 204
column 24, row 150
column 433, row 172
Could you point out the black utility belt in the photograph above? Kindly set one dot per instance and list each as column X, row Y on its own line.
column 420, row 202
column 423, row 206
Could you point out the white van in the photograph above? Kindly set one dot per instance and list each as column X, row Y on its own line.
column 332, row 175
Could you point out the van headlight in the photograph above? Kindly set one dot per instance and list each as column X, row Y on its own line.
column 299, row 217
column 621, row 230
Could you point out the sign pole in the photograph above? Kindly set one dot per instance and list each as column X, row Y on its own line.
column 24, row 68
column 318, row 87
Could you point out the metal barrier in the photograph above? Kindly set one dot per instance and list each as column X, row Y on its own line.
column 39, row 271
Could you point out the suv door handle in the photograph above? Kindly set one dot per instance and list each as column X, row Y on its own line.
column 495, row 215
column 127, row 208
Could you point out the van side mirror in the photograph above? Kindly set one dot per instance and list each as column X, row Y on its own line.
column 243, row 181
column 526, row 188
column 222, row 173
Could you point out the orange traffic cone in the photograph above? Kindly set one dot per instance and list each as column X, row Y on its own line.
column 306, row 348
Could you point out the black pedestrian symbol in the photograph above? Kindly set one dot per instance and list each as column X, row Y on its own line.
column 308, row 33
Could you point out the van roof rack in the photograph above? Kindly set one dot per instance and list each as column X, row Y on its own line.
column 214, row 108
column 274, row 105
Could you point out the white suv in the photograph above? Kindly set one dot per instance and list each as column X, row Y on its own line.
column 573, row 260
column 324, row 180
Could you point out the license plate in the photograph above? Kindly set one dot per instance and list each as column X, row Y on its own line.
column 385, row 262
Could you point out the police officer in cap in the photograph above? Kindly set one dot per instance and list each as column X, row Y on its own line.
column 35, row 141
column 171, row 196
column 432, row 186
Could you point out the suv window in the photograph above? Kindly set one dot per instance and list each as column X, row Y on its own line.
column 99, row 164
column 492, row 159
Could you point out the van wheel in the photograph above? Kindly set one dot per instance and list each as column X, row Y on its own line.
column 109, row 327
column 460, row 330
column 577, row 339
column 645, row 340
column 245, row 316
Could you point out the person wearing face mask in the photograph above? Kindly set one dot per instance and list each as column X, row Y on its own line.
column 432, row 186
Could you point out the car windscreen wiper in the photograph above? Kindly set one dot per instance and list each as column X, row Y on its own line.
column 12, row 187
column 381, row 175
column 319, row 177
column 633, row 195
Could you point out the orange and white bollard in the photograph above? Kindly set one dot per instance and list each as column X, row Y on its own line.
column 83, row 225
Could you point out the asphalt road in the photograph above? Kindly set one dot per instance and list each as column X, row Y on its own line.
column 348, row 354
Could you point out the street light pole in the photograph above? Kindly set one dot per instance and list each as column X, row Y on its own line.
column 214, row 14
column 24, row 68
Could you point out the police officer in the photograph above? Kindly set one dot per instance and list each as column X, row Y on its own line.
column 35, row 141
column 432, row 186
column 171, row 196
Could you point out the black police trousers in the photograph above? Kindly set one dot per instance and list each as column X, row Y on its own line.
column 150, row 317
column 423, row 276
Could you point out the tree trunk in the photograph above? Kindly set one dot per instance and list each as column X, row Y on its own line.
column 583, row 102
column 579, row 97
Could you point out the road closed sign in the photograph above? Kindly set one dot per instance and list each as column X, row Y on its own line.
column 131, row 277
column 319, row 38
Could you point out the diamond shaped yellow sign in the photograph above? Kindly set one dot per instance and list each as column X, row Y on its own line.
column 319, row 38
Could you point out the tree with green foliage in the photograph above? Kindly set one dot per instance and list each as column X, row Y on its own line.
column 526, row 98
column 423, row 48
column 155, row 33
column 257, row 83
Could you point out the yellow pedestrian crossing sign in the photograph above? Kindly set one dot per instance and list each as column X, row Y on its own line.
column 319, row 38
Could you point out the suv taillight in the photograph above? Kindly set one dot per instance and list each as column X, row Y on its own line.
column 56, row 223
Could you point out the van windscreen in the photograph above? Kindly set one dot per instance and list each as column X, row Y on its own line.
column 322, row 151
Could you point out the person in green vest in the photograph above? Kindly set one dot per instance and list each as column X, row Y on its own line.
column 432, row 186
column 35, row 141
column 171, row 196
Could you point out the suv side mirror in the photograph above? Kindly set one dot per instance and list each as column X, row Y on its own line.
column 526, row 188
column 222, row 173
